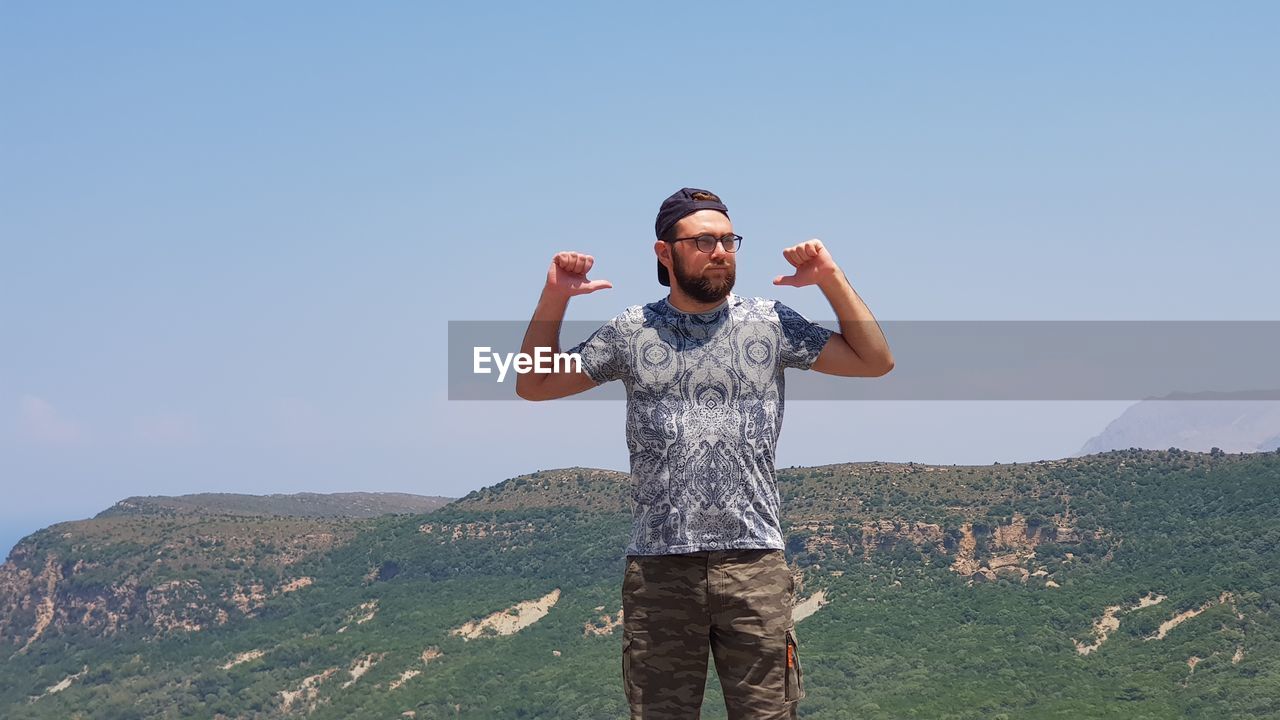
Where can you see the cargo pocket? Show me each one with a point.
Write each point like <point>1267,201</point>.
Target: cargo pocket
<point>626,670</point>
<point>795,674</point>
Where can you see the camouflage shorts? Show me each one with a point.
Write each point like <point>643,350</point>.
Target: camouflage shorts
<point>737,603</point>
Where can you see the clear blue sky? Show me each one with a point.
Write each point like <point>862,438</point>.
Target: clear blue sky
<point>233,233</point>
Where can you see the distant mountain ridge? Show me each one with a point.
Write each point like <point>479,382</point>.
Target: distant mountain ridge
<point>1195,421</point>
<point>304,504</point>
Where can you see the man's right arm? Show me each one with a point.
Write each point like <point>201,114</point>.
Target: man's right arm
<point>566,277</point>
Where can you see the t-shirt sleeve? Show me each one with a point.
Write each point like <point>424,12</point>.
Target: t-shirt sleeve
<point>801,341</point>
<point>604,353</point>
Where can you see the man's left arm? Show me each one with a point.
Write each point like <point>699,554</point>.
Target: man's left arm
<point>859,349</point>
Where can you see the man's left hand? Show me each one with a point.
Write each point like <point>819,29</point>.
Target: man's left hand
<point>813,264</point>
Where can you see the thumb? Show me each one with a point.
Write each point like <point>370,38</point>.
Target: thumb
<point>595,285</point>
<point>785,280</point>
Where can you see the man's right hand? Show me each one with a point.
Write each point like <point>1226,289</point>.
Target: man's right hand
<point>567,275</point>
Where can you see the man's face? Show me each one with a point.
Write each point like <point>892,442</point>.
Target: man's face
<point>705,276</point>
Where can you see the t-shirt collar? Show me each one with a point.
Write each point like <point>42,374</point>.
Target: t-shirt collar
<point>728,301</point>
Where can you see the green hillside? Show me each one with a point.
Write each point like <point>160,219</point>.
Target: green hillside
<point>935,592</point>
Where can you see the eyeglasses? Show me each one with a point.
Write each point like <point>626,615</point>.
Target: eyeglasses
<point>707,243</point>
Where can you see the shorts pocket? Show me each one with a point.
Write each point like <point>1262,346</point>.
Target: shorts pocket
<point>795,673</point>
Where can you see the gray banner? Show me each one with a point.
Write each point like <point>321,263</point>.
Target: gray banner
<point>973,360</point>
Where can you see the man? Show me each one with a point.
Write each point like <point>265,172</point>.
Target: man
<point>703,370</point>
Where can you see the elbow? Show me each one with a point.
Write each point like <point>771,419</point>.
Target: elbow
<point>885,367</point>
<point>535,391</point>
<point>526,391</point>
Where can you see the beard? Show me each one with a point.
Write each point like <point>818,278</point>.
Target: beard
<point>702,288</point>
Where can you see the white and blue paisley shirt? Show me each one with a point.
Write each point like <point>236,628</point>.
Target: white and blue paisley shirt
<point>704,410</point>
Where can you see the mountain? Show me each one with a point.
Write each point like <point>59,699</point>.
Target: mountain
<point>352,504</point>
<point>1124,584</point>
<point>1194,421</point>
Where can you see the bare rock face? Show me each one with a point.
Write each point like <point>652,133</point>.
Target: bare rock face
<point>33,605</point>
<point>886,533</point>
<point>27,597</point>
<point>870,538</point>
<point>168,576</point>
<point>603,624</point>
<point>1016,536</point>
<point>965,563</point>
<point>1006,550</point>
<point>160,565</point>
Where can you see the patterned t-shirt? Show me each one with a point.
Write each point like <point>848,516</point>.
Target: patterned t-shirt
<point>704,409</point>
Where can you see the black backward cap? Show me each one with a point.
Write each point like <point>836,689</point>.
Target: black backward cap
<point>683,202</point>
